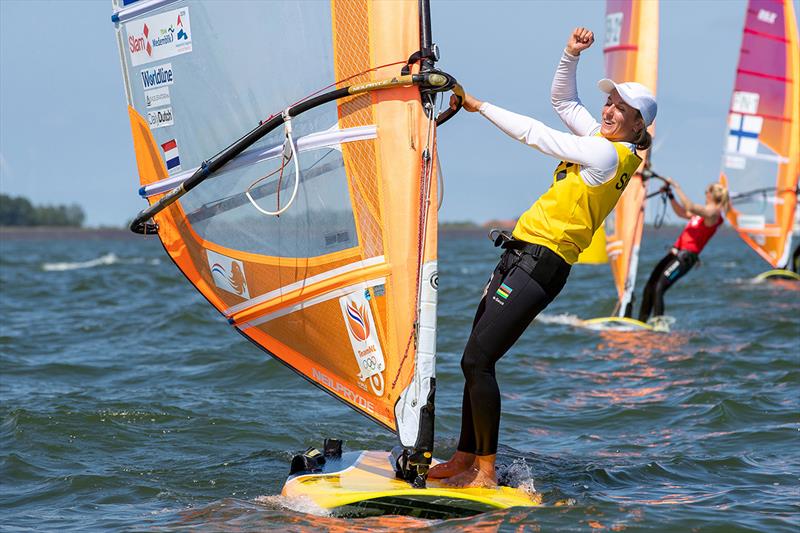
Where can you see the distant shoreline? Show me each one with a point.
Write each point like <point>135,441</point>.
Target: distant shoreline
<point>50,233</point>
<point>61,233</point>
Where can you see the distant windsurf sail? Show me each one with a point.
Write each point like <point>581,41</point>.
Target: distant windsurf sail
<point>318,241</point>
<point>761,160</point>
<point>631,54</point>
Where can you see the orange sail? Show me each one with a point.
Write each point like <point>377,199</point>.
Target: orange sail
<point>631,53</point>
<point>761,162</point>
<point>318,242</point>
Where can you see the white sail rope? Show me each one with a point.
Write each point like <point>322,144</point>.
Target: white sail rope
<point>441,180</point>
<point>288,154</point>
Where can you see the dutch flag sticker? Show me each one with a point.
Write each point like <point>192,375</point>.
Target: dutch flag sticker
<point>171,155</point>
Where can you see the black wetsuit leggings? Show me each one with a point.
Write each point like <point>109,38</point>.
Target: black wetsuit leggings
<point>669,270</point>
<point>520,287</point>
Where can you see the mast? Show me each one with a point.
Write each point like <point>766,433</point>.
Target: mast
<point>631,54</point>
<point>412,462</point>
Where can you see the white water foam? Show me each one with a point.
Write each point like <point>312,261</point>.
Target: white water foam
<point>108,259</point>
<point>104,260</point>
<point>565,319</point>
<point>300,504</point>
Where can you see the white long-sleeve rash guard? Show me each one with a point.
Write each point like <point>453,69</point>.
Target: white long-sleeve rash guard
<point>596,155</point>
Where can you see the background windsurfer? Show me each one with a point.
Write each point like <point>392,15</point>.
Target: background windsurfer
<point>703,223</point>
<point>597,161</point>
<point>794,264</point>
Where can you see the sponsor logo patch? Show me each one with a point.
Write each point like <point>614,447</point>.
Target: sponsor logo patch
<point>157,97</point>
<point>160,118</point>
<point>159,37</point>
<point>613,29</point>
<point>360,326</point>
<point>767,16</point>
<point>155,77</point>
<point>228,274</point>
<point>745,102</point>
<point>342,390</point>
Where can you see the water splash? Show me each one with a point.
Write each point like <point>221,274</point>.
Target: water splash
<point>564,319</point>
<point>518,474</point>
<point>300,504</point>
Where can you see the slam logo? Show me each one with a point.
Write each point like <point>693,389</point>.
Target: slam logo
<point>358,321</point>
<point>228,274</point>
<point>159,37</point>
<point>140,43</point>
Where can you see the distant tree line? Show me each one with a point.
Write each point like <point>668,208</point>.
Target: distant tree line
<point>458,224</point>
<point>19,211</point>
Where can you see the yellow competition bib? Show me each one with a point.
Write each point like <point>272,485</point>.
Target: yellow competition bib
<point>565,217</point>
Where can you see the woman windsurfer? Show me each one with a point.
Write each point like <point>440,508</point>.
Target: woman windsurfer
<point>703,223</point>
<point>597,160</point>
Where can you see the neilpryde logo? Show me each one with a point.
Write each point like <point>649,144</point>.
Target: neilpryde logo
<point>358,321</point>
<point>228,274</point>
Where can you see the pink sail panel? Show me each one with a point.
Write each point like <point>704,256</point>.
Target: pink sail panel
<point>761,156</point>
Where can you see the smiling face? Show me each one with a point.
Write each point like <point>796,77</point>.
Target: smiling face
<point>620,122</point>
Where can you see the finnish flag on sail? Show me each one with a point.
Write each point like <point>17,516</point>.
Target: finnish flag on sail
<point>743,134</point>
<point>171,155</point>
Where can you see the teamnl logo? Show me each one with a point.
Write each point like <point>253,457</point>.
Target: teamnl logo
<point>360,325</point>
<point>159,37</point>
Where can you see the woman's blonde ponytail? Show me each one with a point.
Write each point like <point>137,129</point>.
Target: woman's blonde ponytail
<point>719,193</point>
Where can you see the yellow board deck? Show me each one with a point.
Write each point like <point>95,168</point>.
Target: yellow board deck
<point>364,484</point>
<point>617,323</point>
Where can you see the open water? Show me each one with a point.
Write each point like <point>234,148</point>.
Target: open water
<point>127,403</point>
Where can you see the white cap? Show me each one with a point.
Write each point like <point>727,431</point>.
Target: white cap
<point>635,95</point>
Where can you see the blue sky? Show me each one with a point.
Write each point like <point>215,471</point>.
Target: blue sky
<point>65,138</point>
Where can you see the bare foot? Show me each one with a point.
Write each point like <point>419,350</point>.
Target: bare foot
<point>460,462</point>
<point>480,474</point>
<point>472,478</point>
